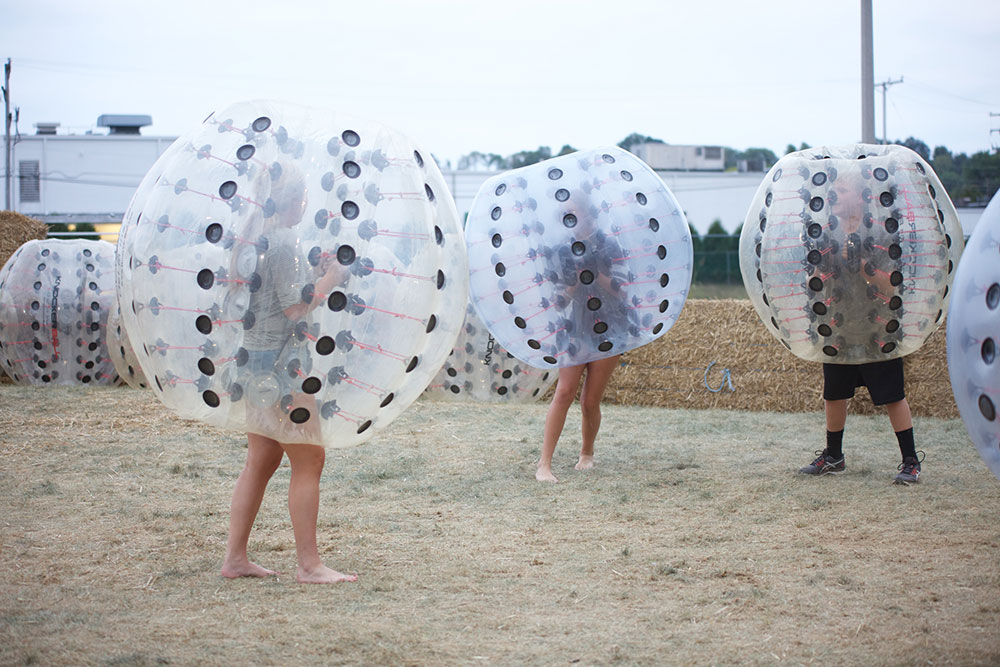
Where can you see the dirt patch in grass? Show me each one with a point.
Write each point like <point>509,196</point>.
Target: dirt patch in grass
<point>693,541</point>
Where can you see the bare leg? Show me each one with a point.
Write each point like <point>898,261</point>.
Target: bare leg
<point>555,419</point>
<point>263,458</point>
<point>899,415</point>
<point>598,375</point>
<point>303,505</point>
<point>836,414</point>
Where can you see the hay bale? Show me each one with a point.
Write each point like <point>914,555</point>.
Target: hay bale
<point>719,355</point>
<point>16,230</point>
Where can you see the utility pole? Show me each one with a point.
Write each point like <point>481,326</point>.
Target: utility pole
<point>867,75</point>
<point>8,182</point>
<point>884,85</point>
<point>994,129</point>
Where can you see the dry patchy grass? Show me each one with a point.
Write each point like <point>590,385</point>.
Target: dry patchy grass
<point>692,542</point>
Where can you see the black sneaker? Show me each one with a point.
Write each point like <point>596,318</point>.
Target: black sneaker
<point>909,470</point>
<point>824,465</point>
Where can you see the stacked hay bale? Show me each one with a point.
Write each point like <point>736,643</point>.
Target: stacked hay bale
<point>719,356</point>
<point>16,230</point>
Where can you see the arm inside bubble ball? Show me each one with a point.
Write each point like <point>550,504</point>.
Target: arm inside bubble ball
<point>333,274</point>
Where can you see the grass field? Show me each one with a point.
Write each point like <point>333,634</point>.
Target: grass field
<point>692,542</point>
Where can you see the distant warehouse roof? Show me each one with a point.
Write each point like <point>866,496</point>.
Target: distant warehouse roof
<point>124,123</point>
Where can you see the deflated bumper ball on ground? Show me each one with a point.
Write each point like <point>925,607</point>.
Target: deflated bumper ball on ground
<point>55,296</point>
<point>480,369</point>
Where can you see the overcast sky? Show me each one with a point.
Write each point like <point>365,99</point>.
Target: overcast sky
<point>500,77</point>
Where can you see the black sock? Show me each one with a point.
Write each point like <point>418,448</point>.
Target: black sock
<point>835,444</point>
<point>906,446</point>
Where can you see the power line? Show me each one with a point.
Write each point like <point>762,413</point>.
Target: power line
<point>885,85</point>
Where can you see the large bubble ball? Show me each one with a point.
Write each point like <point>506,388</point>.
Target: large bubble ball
<point>480,369</point>
<point>974,336</point>
<point>578,258</point>
<point>55,296</point>
<point>848,252</point>
<point>292,272</point>
<point>121,351</point>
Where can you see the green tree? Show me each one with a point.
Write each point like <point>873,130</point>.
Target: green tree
<point>980,177</point>
<point>917,146</point>
<point>635,138</point>
<point>944,166</point>
<point>719,261</point>
<point>566,150</point>
<point>524,158</point>
<point>790,148</point>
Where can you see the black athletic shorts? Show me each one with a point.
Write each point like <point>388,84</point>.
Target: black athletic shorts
<point>884,380</point>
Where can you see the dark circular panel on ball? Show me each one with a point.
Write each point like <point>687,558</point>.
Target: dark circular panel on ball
<point>206,278</point>
<point>213,233</point>
<point>346,255</point>
<point>987,408</point>
<point>260,124</point>
<point>337,301</point>
<point>227,190</point>
<point>352,169</point>
<point>325,345</point>
<point>351,138</point>
<point>988,350</point>
<point>349,210</point>
<point>993,296</point>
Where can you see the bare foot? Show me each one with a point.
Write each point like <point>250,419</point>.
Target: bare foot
<point>323,575</point>
<point>245,569</point>
<point>586,462</point>
<point>545,475</point>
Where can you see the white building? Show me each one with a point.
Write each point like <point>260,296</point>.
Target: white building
<point>90,178</point>
<point>673,157</point>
